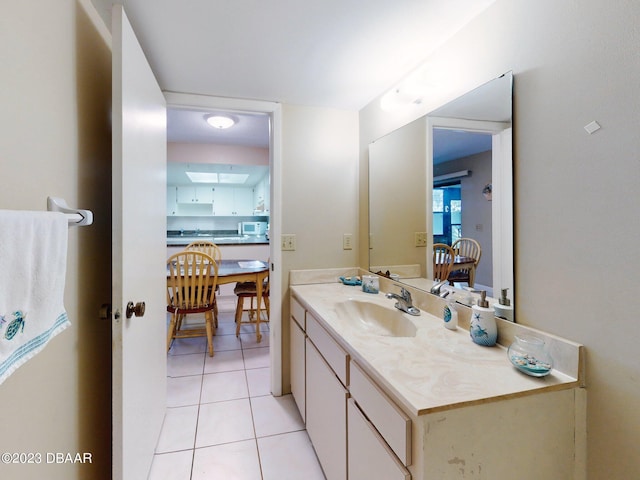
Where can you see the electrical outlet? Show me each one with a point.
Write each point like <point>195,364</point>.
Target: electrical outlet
<point>347,241</point>
<point>288,242</point>
<point>421,239</point>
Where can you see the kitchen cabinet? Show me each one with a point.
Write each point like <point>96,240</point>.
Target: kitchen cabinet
<point>261,196</point>
<point>233,201</point>
<point>191,194</point>
<point>172,200</point>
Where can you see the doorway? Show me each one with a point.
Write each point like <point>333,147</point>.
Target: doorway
<point>270,111</point>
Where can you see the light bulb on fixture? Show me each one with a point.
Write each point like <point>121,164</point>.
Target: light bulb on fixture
<point>220,121</point>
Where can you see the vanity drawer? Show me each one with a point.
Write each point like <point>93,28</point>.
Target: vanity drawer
<point>333,353</point>
<point>388,419</point>
<point>369,455</point>
<point>298,314</point>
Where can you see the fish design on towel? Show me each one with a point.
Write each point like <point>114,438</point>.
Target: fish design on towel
<point>16,324</point>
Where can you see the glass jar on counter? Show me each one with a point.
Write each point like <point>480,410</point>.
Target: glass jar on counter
<point>529,354</point>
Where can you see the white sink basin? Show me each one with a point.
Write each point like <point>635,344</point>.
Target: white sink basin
<point>375,319</point>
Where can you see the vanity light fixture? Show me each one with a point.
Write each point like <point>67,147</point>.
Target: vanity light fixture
<point>220,121</point>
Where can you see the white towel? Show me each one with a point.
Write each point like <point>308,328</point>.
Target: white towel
<point>33,263</point>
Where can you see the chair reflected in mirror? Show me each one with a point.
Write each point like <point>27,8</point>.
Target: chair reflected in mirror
<point>443,258</point>
<point>470,249</point>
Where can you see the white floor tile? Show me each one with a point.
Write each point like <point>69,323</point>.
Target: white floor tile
<point>182,365</point>
<point>224,422</point>
<point>178,430</point>
<point>217,387</point>
<point>259,380</point>
<point>224,362</point>
<point>182,346</point>
<point>231,461</point>
<point>256,357</point>
<point>225,342</point>
<point>172,466</point>
<point>249,340</point>
<point>277,460</point>
<point>183,391</point>
<point>274,415</point>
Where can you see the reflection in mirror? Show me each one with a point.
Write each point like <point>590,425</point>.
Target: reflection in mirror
<point>443,177</point>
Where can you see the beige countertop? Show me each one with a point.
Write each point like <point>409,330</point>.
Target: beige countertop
<point>438,369</point>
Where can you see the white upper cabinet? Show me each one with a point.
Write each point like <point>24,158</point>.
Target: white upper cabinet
<point>172,200</point>
<point>233,201</point>
<point>191,194</point>
<point>261,196</point>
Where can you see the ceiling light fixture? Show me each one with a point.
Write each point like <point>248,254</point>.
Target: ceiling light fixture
<point>220,121</point>
<point>202,177</point>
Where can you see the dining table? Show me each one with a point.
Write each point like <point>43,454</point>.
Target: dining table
<point>461,262</point>
<point>230,271</point>
<point>245,270</point>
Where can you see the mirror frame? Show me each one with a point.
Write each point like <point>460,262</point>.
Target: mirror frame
<point>455,115</point>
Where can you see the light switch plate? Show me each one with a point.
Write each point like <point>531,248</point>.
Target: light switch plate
<point>421,239</point>
<point>347,241</point>
<point>288,242</point>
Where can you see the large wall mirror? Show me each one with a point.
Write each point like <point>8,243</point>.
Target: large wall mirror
<point>445,176</point>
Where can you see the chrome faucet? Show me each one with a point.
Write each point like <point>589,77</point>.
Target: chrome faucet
<point>404,301</point>
<point>435,289</point>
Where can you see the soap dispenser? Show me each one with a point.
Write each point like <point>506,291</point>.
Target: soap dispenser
<point>503,308</point>
<point>482,327</point>
<point>450,315</point>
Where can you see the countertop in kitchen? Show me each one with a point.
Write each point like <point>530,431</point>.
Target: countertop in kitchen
<point>177,239</point>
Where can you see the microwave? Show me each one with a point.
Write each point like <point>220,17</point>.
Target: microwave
<point>254,228</point>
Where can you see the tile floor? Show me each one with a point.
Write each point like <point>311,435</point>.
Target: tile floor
<point>222,423</point>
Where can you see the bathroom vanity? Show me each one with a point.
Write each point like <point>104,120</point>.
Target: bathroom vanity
<point>392,396</point>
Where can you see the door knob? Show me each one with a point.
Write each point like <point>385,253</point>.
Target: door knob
<point>137,309</point>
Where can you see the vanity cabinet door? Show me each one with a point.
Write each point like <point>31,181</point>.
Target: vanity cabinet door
<point>297,340</point>
<point>369,455</point>
<point>326,415</point>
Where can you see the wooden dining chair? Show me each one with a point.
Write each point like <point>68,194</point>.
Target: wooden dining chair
<point>192,278</point>
<point>207,247</point>
<point>247,290</point>
<point>443,258</point>
<point>214,252</point>
<point>466,247</point>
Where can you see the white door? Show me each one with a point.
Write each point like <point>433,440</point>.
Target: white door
<point>139,254</point>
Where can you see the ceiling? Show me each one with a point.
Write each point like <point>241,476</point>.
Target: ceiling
<point>331,53</point>
<point>335,53</point>
<point>190,126</point>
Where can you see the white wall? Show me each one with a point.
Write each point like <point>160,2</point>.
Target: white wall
<point>56,86</point>
<point>576,195</point>
<point>319,194</point>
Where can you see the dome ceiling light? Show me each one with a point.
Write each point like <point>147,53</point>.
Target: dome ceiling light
<point>220,121</point>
